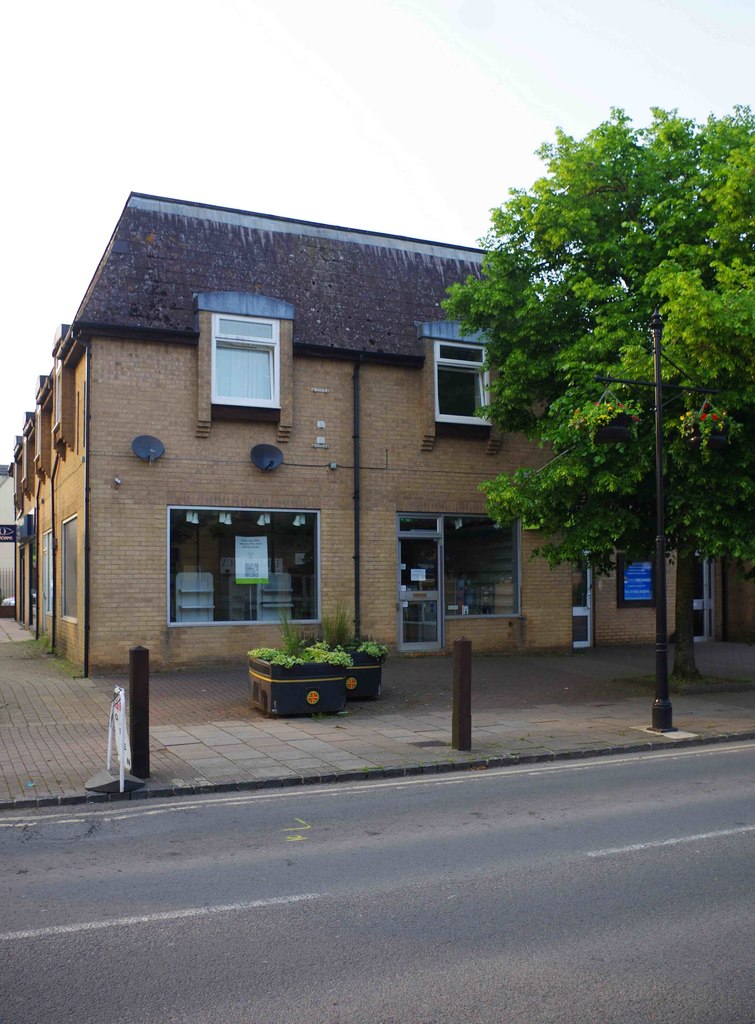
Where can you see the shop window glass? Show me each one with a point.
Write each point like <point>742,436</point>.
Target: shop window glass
<point>242,565</point>
<point>481,573</point>
<point>70,569</point>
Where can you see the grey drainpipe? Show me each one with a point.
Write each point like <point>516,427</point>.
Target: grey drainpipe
<point>357,539</point>
<point>87,428</point>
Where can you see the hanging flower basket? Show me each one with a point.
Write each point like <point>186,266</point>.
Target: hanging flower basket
<point>618,429</point>
<point>606,421</point>
<point>705,429</point>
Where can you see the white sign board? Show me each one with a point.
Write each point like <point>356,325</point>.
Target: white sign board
<point>118,734</point>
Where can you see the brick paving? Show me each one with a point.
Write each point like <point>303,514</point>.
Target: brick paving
<point>205,737</point>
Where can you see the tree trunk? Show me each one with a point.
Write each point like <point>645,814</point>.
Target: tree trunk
<point>684,648</point>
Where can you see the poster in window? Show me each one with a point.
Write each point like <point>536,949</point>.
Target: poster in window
<point>638,581</point>
<point>251,560</point>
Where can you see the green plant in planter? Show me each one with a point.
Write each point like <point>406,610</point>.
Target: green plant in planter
<point>338,627</point>
<point>373,649</point>
<point>603,413</point>
<point>707,428</point>
<point>293,636</point>
<point>314,653</point>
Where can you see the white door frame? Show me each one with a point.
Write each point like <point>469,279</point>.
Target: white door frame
<point>584,611</point>
<point>702,606</point>
<point>47,595</point>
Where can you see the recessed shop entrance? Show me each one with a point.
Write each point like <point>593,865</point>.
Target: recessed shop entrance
<point>702,602</point>
<point>581,613</point>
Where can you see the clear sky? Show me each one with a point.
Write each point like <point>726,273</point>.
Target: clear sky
<point>413,117</point>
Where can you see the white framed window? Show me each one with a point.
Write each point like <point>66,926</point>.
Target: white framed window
<point>245,361</point>
<point>247,565</point>
<point>57,403</point>
<point>461,382</point>
<point>70,568</point>
<point>47,574</point>
<point>25,462</point>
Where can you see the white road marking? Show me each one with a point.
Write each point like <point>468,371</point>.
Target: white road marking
<point>168,915</point>
<point>612,851</point>
<point>460,776</point>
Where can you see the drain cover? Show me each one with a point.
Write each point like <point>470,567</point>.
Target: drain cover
<point>430,743</point>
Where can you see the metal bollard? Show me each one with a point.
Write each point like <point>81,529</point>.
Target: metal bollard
<point>461,732</point>
<point>138,706</point>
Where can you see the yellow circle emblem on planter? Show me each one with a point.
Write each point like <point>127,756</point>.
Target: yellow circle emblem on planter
<point>312,697</point>
<point>351,683</point>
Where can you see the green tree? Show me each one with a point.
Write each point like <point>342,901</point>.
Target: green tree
<point>626,220</point>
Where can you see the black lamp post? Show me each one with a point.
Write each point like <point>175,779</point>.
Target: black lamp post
<point>662,717</point>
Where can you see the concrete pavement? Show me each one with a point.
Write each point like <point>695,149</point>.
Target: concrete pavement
<point>204,737</point>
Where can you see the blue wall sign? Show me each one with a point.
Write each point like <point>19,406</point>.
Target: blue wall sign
<point>638,581</point>
<point>8,534</point>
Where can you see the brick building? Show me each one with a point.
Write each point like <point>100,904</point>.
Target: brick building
<point>253,417</point>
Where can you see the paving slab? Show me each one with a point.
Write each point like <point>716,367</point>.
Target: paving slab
<point>205,737</point>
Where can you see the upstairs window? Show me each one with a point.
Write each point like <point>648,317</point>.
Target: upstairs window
<point>460,382</point>
<point>58,394</point>
<point>245,361</point>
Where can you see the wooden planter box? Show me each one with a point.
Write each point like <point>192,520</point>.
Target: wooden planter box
<point>8,612</point>
<point>363,679</point>
<point>299,690</point>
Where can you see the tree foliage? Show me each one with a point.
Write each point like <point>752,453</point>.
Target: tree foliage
<point>626,220</point>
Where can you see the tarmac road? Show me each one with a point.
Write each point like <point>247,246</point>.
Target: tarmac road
<point>613,890</point>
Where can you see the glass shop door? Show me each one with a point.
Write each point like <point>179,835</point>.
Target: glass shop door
<point>418,603</point>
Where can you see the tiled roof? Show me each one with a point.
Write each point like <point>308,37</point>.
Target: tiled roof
<point>355,290</point>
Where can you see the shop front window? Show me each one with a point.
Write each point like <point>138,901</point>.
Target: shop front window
<point>70,569</point>
<point>242,565</point>
<point>481,571</point>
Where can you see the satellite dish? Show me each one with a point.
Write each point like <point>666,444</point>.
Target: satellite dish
<point>147,447</point>
<point>266,456</point>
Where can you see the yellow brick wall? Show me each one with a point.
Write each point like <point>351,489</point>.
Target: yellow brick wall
<point>150,388</point>
<point>741,606</point>
<point>145,388</point>
<point>626,625</point>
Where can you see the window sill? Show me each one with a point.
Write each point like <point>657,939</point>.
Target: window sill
<point>450,617</point>
<point>480,430</point>
<point>246,413</point>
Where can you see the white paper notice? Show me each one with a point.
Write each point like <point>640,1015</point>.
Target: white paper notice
<point>251,560</point>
